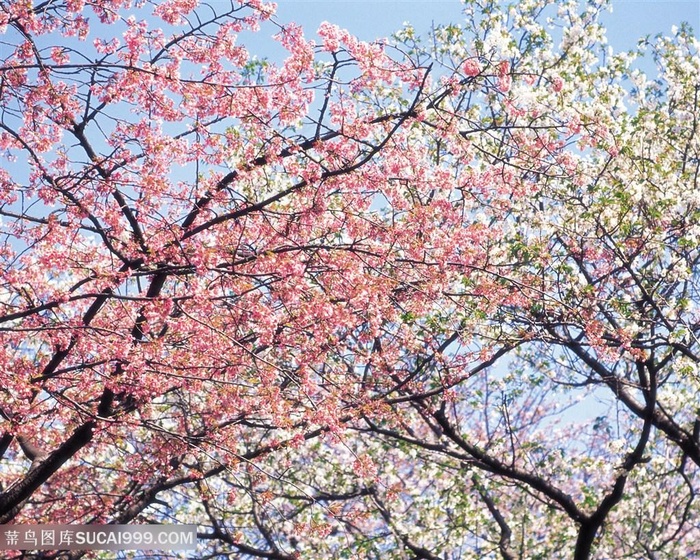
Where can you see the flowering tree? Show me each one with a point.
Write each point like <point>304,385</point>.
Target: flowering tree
<point>405,299</point>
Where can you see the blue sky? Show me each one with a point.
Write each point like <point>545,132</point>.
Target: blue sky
<point>371,19</point>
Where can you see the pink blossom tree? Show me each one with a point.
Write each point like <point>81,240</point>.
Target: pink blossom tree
<point>404,299</point>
